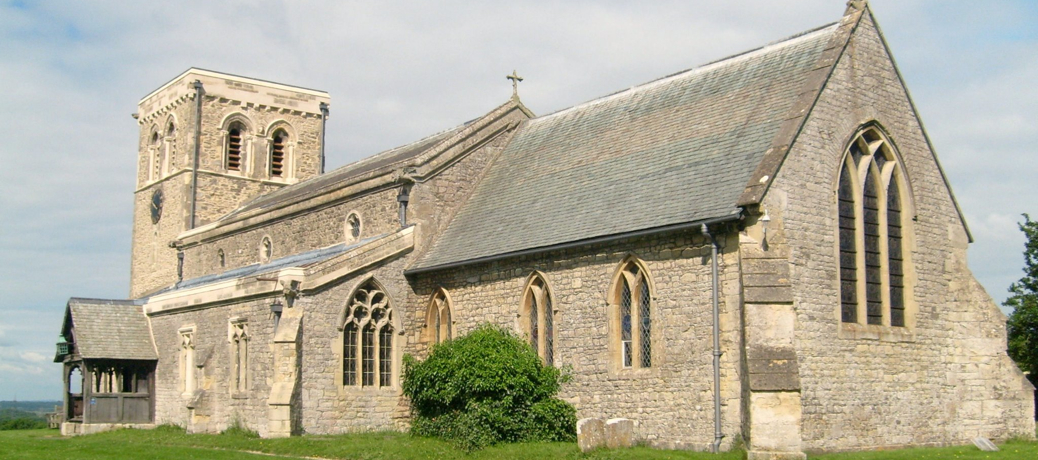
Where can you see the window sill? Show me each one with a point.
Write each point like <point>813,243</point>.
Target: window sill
<point>855,331</point>
<point>367,390</point>
<point>634,373</point>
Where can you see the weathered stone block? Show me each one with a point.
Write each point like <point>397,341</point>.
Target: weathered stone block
<point>619,432</point>
<point>590,434</point>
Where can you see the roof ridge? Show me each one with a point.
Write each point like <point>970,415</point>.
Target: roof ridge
<point>693,71</point>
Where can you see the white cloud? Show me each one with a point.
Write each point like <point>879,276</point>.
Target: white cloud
<point>32,356</point>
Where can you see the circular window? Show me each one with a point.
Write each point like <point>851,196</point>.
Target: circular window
<point>353,227</point>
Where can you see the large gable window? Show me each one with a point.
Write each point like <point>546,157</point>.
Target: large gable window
<point>871,221</point>
<point>367,339</point>
<point>537,317</point>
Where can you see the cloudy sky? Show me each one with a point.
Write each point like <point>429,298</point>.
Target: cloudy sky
<point>74,72</point>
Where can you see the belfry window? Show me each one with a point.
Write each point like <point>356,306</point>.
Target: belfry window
<point>368,354</point>
<point>871,223</point>
<point>277,153</point>
<point>537,316</point>
<point>438,321</point>
<point>631,299</point>
<point>235,134</point>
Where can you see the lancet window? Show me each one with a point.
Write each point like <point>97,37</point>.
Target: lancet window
<point>537,317</point>
<point>438,318</point>
<point>871,222</point>
<point>631,297</point>
<point>239,341</point>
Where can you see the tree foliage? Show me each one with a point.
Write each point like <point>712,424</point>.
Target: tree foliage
<point>1022,327</point>
<point>484,388</point>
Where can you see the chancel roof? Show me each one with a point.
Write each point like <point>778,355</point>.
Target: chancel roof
<point>109,329</point>
<point>681,149</point>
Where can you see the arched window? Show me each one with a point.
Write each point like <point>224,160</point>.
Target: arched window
<point>631,296</point>
<point>156,156</point>
<point>537,316</point>
<point>235,137</point>
<point>239,341</point>
<point>171,148</point>
<point>278,144</point>
<point>438,319</point>
<point>266,249</point>
<point>870,207</point>
<point>369,313</point>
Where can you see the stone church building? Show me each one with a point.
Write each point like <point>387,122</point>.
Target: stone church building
<point>764,248</point>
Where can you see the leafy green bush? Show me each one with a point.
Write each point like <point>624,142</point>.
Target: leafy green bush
<point>22,423</point>
<point>484,388</point>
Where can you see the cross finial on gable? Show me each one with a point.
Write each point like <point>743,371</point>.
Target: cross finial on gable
<point>515,82</point>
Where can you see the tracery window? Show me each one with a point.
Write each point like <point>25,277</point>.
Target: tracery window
<point>871,222</point>
<point>537,317</point>
<point>235,136</point>
<point>438,318</point>
<point>631,297</point>
<point>368,354</point>
<point>239,340</point>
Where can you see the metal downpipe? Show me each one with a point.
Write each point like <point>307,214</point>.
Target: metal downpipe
<point>717,339</point>
<point>324,126</point>
<point>199,91</point>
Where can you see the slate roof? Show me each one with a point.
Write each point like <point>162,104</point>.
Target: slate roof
<point>680,149</point>
<point>344,175</point>
<point>110,329</point>
<point>294,260</point>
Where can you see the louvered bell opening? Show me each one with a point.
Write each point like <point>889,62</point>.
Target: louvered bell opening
<point>234,150</point>
<point>277,157</point>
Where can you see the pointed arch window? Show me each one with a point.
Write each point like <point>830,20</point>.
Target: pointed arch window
<point>235,137</point>
<point>632,299</point>
<point>438,318</point>
<point>367,339</point>
<point>537,317</point>
<point>871,227</point>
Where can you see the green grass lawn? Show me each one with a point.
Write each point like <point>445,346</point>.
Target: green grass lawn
<point>172,443</point>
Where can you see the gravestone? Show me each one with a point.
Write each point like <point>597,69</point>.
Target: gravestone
<point>985,445</point>
<point>590,434</point>
<point>619,432</point>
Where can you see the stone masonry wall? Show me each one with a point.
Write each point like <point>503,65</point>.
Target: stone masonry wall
<point>220,191</point>
<point>218,408</point>
<point>312,230</point>
<point>432,204</point>
<point>326,406</point>
<point>670,403</point>
<point>948,379</point>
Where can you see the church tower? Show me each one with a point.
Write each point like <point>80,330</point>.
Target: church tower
<point>209,142</point>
